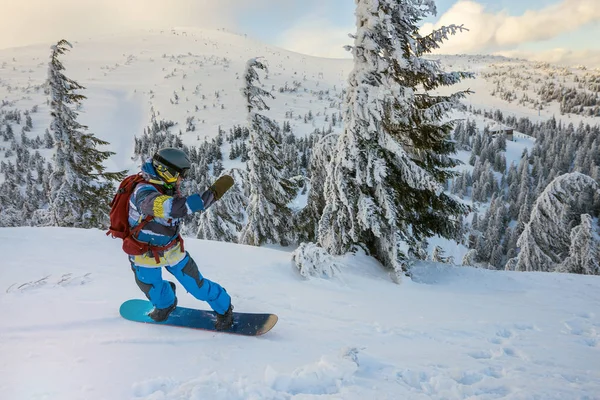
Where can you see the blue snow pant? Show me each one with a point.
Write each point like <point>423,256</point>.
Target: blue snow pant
<point>160,293</point>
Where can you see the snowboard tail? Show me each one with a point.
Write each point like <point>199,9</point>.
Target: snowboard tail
<point>247,324</point>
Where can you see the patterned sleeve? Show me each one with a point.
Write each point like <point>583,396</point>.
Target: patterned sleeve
<point>150,201</point>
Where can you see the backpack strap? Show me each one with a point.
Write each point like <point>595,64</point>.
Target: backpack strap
<point>155,250</point>
<point>136,230</point>
<point>138,227</point>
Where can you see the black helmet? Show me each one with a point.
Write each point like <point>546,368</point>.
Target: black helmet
<point>170,163</point>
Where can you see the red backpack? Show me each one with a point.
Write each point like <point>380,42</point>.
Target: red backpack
<point>119,221</point>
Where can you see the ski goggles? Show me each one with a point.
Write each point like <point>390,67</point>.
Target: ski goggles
<point>169,175</point>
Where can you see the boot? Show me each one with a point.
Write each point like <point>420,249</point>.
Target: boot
<point>224,321</point>
<point>161,314</point>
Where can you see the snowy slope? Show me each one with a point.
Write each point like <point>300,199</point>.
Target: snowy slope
<point>495,75</point>
<point>450,333</point>
<point>191,72</point>
<point>128,76</point>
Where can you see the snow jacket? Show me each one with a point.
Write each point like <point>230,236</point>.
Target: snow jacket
<point>168,210</point>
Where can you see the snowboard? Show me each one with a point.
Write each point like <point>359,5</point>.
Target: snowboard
<point>247,324</point>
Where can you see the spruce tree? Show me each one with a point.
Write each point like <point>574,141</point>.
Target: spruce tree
<point>545,241</point>
<point>224,219</point>
<point>10,199</point>
<point>269,217</point>
<point>308,218</point>
<point>584,252</point>
<point>80,189</point>
<point>384,186</point>
<point>469,258</point>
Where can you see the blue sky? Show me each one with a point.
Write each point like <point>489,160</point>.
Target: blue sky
<point>553,30</point>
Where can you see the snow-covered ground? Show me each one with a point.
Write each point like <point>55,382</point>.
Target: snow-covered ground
<point>450,333</point>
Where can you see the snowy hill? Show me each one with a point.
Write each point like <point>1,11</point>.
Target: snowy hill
<point>179,74</point>
<point>183,73</point>
<point>528,89</point>
<point>451,333</point>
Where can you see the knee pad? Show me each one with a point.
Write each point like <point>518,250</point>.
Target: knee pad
<point>191,269</point>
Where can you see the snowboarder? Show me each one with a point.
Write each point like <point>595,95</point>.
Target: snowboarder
<point>157,204</point>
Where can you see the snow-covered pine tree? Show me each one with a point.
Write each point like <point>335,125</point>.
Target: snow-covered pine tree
<point>383,187</point>
<point>512,237</point>
<point>493,236</point>
<point>312,260</point>
<point>438,255</point>
<point>80,189</point>
<point>224,219</point>
<point>269,217</point>
<point>546,240</point>
<point>584,252</point>
<point>469,258</point>
<point>308,218</point>
<point>10,199</point>
<point>48,140</point>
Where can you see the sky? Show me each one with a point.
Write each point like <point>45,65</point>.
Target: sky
<point>546,30</point>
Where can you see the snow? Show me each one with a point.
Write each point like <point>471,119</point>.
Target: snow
<point>513,74</point>
<point>449,333</point>
<point>461,332</point>
<point>127,75</point>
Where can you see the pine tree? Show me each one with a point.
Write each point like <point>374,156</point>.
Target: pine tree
<point>308,218</point>
<point>312,260</point>
<point>584,252</point>
<point>10,199</point>
<point>384,185</point>
<point>269,218</point>
<point>223,220</point>
<point>80,189</point>
<point>438,255</point>
<point>469,258</point>
<point>494,234</point>
<point>545,240</point>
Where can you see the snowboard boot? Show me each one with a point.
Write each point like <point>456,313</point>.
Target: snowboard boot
<point>224,321</point>
<point>161,314</point>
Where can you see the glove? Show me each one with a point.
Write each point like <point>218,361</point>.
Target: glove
<point>217,190</point>
<point>221,185</point>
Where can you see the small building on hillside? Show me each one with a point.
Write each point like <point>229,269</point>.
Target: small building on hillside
<point>498,129</point>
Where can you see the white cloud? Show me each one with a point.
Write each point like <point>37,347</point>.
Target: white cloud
<point>489,32</point>
<point>561,56</point>
<point>24,22</point>
<point>317,37</point>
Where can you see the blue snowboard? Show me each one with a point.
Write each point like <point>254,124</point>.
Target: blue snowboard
<point>243,323</point>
